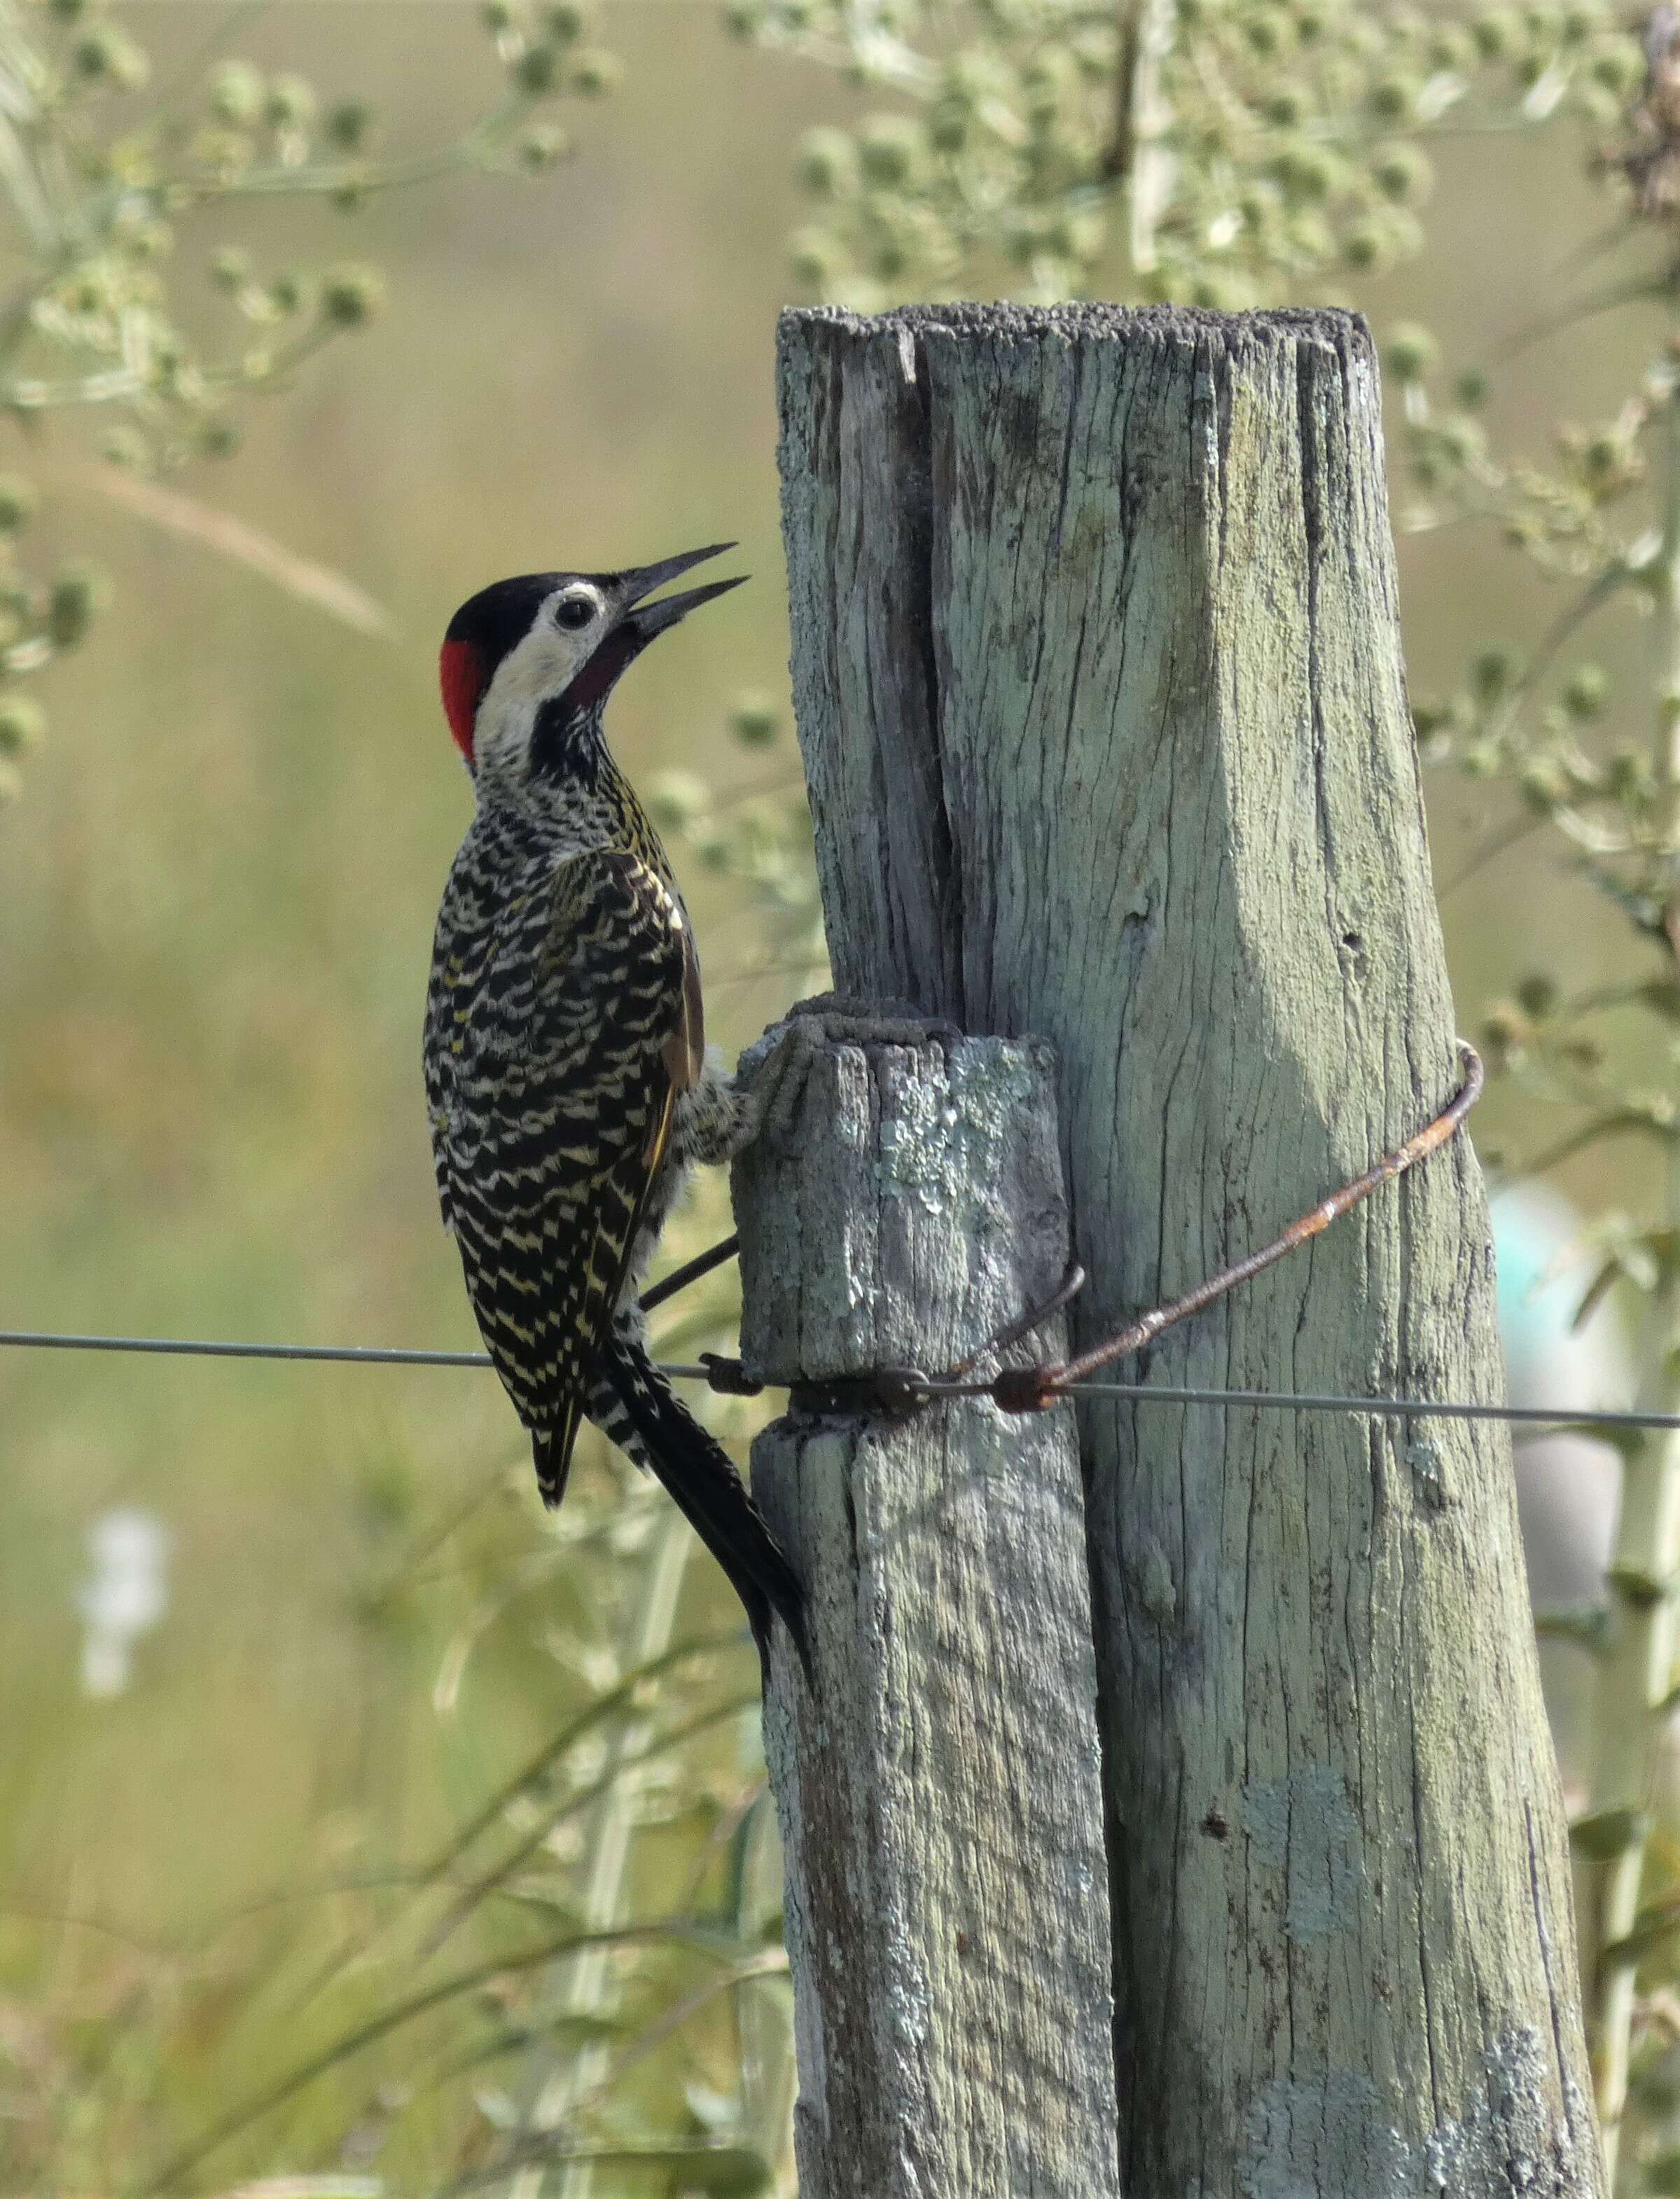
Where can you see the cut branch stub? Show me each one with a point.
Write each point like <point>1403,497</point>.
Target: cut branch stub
<point>939,1787</point>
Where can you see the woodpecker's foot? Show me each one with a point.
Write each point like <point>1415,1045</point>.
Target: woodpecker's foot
<point>715,1117</point>
<point>775,1079</point>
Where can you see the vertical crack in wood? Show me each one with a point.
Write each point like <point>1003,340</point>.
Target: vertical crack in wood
<point>945,873</point>
<point>855,475</point>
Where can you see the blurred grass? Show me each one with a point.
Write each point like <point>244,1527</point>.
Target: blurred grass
<point>217,899</point>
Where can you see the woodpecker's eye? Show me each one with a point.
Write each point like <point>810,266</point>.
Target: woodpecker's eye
<point>574,613</point>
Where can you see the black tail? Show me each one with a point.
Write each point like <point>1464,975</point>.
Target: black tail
<point>552,1454</point>
<point>700,1478</point>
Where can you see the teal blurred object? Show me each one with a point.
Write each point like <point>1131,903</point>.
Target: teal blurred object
<point>1566,1483</point>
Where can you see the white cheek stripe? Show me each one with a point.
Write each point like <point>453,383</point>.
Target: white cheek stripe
<point>545,661</point>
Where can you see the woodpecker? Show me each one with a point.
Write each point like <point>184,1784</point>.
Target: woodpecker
<point>568,1081</point>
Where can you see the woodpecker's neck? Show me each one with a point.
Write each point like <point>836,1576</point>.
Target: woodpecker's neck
<point>553,780</point>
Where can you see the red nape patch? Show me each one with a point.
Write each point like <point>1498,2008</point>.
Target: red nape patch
<point>460,676</point>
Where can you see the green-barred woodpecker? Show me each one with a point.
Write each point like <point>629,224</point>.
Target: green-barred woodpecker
<point>569,1084</point>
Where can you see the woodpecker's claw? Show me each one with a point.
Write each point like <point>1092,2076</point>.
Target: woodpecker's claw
<point>780,1078</point>
<point>776,1077</point>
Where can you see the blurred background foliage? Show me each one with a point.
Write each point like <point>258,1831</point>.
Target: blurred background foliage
<point>329,1780</point>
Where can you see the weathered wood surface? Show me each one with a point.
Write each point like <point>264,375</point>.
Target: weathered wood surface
<point>940,1793</point>
<point>1099,693</point>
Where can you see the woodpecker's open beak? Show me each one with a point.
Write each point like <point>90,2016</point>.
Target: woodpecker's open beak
<point>650,619</point>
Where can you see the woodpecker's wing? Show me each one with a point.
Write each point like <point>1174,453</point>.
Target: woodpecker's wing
<point>687,1057</point>
<point>576,1122</point>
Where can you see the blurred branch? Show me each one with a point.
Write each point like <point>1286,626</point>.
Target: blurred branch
<point>357,2041</point>
<point>1137,155</point>
<point>1496,844</point>
<point>230,537</point>
<point>549,1823</point>
<point>699,2168</point>
<point>1618,1123</point>
<point>601,1710</point>
<point>329,179</point>
<point>1638,289</point>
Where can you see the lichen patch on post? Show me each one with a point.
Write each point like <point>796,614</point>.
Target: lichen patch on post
<point>945,1148</point>
<point>1305,1826</point>
<point>918,1150</point>
<point>1327,2138</point>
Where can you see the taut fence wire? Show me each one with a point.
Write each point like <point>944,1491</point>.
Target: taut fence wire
<point>357,1355</point>
<point>1016,1390</point>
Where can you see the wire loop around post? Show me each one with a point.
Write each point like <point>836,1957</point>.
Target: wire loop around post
<point>1036,1389</point>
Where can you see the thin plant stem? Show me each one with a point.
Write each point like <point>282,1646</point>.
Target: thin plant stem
<point>186,81</point>
<point>1138,156</point>
<point>1489,850</point>
<point>1634,1676</point>
<point>393,2018</point>
<point>580,1985</point>
<point>643,1752</point>
<point>438,1873</point>
<point>764,2019</point>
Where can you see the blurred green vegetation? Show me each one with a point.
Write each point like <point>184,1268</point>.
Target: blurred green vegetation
<point>216,899</point>
<point>219,885</point>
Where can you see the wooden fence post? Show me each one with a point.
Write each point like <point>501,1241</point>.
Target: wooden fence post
<point>1099,692</point>
<point>939,1787</point>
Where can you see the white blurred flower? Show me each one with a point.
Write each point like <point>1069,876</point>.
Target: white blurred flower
<point>124,1594</point>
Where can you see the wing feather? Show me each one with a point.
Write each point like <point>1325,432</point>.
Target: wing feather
<point>685,1048</point>
<point>548,1185</point>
